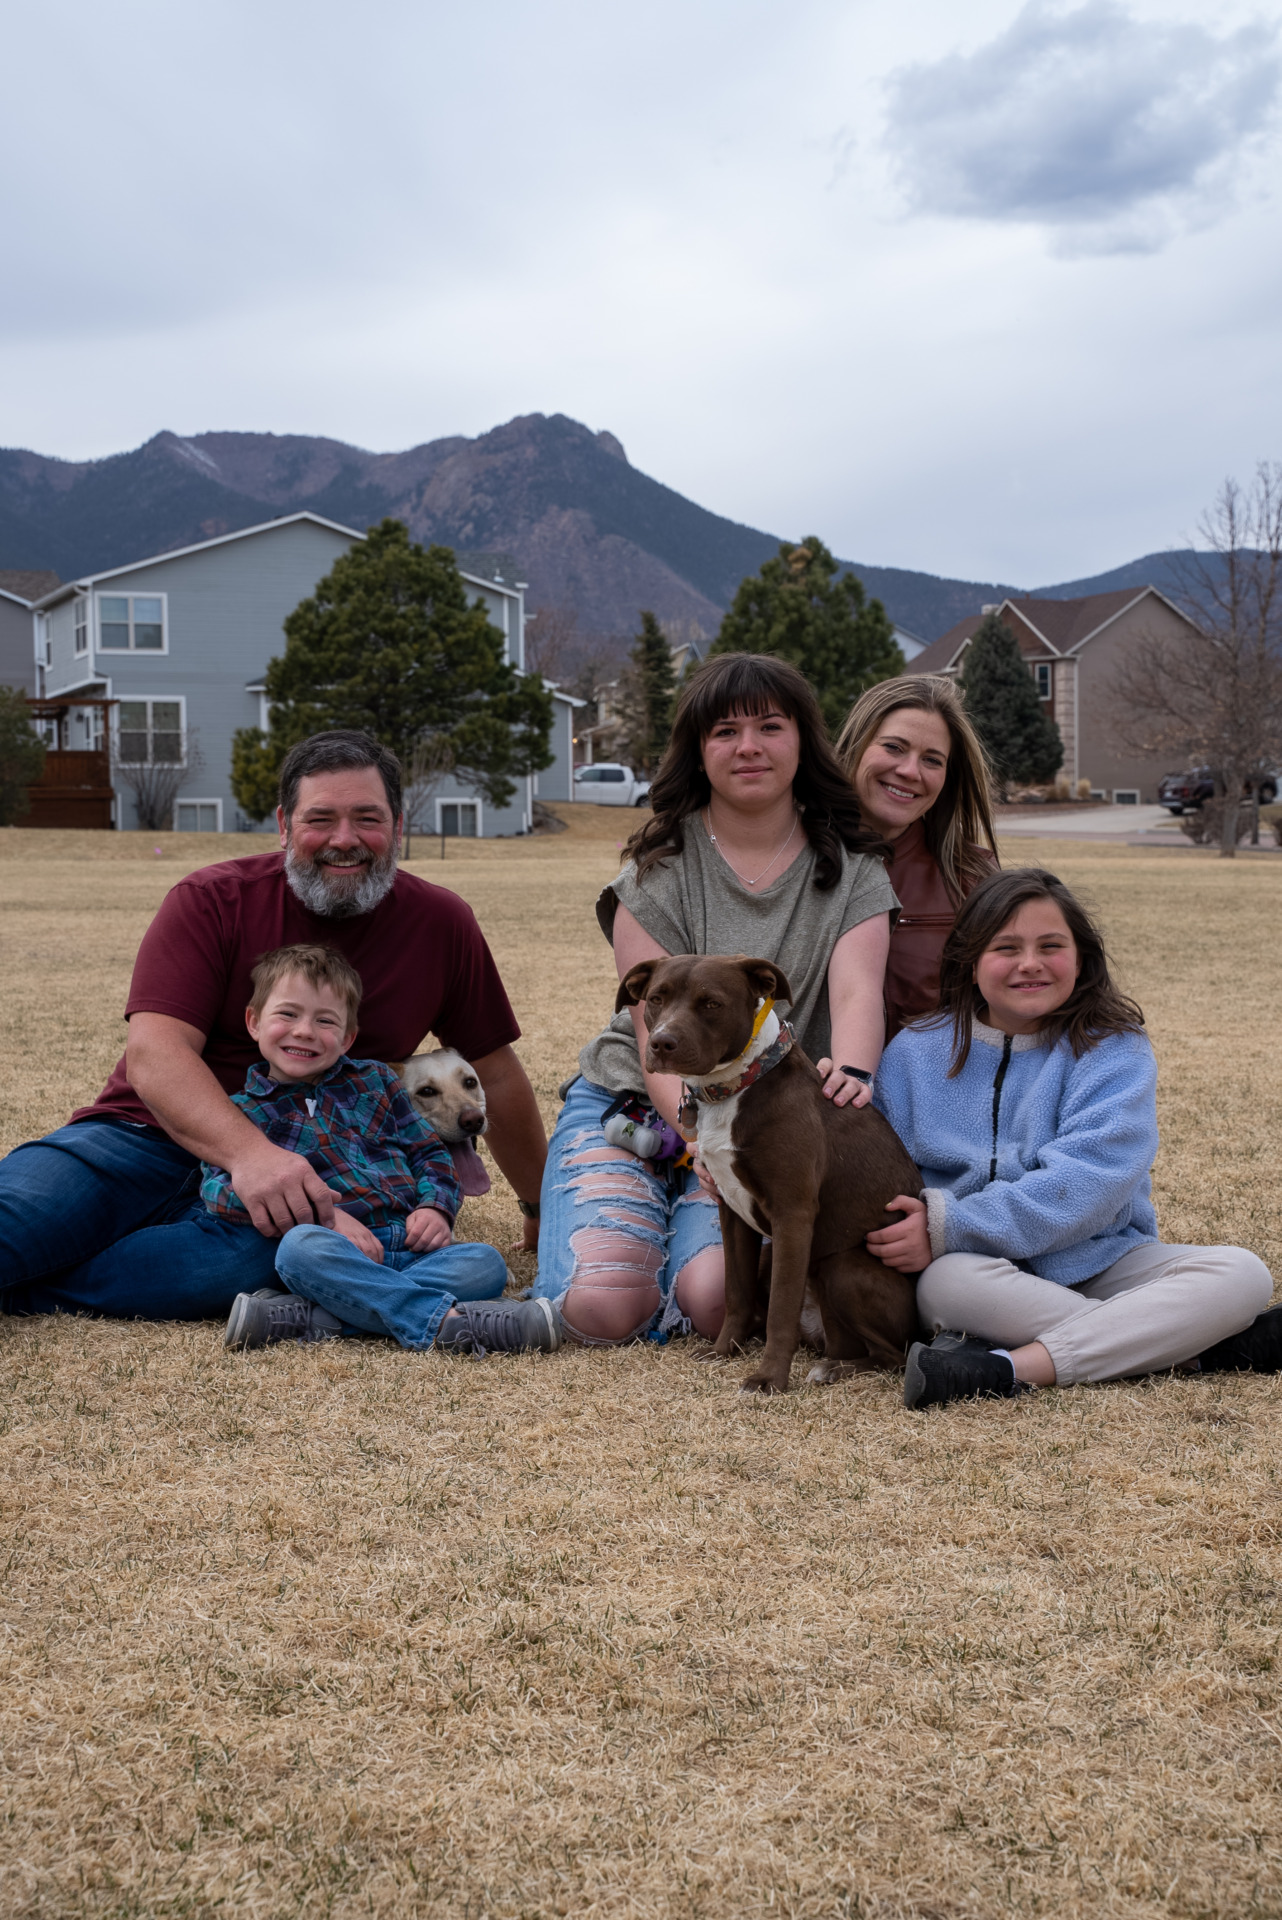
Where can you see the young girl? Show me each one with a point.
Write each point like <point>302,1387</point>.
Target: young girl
<point>1028,1102</point>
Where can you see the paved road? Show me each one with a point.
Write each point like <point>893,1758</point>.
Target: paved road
<point>1091,823</point>
<point>1125,826</point>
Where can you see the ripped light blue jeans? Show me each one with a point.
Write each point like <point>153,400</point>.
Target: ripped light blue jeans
<point>613,1241</point>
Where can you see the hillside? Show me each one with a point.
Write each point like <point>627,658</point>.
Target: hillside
<point>587,530</point>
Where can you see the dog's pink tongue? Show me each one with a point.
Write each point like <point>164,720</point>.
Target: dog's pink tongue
<point>469,1168</point>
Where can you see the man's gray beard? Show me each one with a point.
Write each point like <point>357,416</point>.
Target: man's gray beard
<point>308,883</point>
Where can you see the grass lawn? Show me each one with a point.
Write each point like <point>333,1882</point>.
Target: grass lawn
<point>351,1631</point>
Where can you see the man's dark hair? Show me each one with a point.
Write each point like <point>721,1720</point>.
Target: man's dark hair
<point>335,753</point>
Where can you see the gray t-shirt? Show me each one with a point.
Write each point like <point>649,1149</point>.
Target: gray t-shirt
<point>693,903</point>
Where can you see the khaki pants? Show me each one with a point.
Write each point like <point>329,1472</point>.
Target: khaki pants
<point>1152,1309</point>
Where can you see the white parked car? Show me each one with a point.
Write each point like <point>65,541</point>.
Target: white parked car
<point>610,785</point>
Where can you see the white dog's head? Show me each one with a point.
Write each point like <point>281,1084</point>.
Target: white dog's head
<point>449,1096</point>
<point>447,1093</point>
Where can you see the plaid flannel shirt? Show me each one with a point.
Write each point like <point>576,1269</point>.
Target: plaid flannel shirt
<point>363,1137</point>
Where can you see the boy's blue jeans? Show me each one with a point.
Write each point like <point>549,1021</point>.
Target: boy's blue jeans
<point>407,1296</point>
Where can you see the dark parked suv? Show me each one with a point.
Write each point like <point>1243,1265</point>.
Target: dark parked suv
<point>1182,792</point>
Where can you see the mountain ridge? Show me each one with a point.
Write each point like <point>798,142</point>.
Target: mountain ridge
<point>590,532</point>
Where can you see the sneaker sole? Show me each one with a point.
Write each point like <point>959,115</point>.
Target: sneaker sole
<point>914,1379</point>
<point>554,1330</point>
<point>234,1338</point>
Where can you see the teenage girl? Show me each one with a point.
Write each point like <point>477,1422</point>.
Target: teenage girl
<point>1028,1103</point>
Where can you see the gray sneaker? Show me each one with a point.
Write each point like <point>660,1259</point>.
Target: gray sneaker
<point>501,1326</point>
<point>262,1319</point>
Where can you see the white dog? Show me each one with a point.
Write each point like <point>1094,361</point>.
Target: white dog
<point>451,1099</point>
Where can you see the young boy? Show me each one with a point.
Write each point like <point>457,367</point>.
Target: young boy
<point>390,1264</point>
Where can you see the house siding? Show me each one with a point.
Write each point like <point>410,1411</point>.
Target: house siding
<point>557,781</point>
<point>1104,763</point>
<point>226,607</point>
<point>17,645</point>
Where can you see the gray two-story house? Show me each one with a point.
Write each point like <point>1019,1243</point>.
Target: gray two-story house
<point>170,655</point>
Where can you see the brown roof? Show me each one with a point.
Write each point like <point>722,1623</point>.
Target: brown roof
<point>1062,624</point>
<point>28,583</point>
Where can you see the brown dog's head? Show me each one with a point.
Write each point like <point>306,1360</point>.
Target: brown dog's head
<point>699,1008</point>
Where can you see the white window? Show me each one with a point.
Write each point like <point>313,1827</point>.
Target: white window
<point>459,819</point>
<point>1126,796</point>
<point>81,614</point>
<point>150,733</point>
<point>1042,675</point>
<point>131,622</point>
<point>198,816</point>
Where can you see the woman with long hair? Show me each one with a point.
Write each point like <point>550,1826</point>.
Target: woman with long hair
<point>922,782</point>
<point>755,846</point>
<point>1028,1102</point>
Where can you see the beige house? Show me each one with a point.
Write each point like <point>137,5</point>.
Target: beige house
<point>1073,648</point>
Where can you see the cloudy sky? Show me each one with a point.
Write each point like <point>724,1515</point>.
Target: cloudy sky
<point>993,291</point>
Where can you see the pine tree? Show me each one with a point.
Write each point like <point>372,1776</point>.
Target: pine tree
<point>22,755</point>
<point>801,609</point>
<point>255,772</point>
<point>1022,740</point>
<point>648,695</point>
<point>389,643</point>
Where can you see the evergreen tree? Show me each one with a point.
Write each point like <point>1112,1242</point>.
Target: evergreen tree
<point>648,695</point>
<point>801,609</point>
<point>389,643</point>
<point>1022,740</point>
<point>22,755</point>
<point>255,772</point>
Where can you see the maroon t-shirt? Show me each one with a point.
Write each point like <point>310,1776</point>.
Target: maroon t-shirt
<point>421,957</point>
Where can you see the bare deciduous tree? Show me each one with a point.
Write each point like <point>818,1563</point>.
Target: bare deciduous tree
<point>552,642</point>
<point>428,764</point>
<point>1213,696</point>
<point>156,783</point>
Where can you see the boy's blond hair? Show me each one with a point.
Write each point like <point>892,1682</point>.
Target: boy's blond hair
<point>319,966</point>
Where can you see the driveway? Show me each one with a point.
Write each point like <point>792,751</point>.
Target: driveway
<point>1092,823</point>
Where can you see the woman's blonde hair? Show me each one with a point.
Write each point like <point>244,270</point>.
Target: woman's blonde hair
<point>959,826</point>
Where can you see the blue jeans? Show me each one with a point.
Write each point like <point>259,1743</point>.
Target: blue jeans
<point>607,1219</point>
<point>101,1218</point>
<point>407,1296</point>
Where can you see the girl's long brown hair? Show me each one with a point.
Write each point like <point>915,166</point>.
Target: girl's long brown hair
<point>752,683</point>
<point>1093,1010</point>
<point>959,827</point>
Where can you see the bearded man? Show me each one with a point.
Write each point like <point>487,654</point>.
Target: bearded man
<point>103,1216</point>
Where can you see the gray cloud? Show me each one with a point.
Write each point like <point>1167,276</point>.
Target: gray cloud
<point>1111,131</point>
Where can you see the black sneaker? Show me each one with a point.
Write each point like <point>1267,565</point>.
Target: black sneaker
<point>955,1367</point>
<point>1257,1349</point>
<point>262,1319</point>
<point>501,1326</point>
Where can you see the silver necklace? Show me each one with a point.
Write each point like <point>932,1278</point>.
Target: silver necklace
<point>742,878</point>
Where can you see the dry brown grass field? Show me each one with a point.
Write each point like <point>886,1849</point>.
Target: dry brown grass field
<point>349,1631</point>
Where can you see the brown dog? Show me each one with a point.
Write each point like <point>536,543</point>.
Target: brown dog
<point>787,1162</point>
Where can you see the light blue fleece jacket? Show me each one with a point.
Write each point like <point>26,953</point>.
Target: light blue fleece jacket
<point>1028,1154</point>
